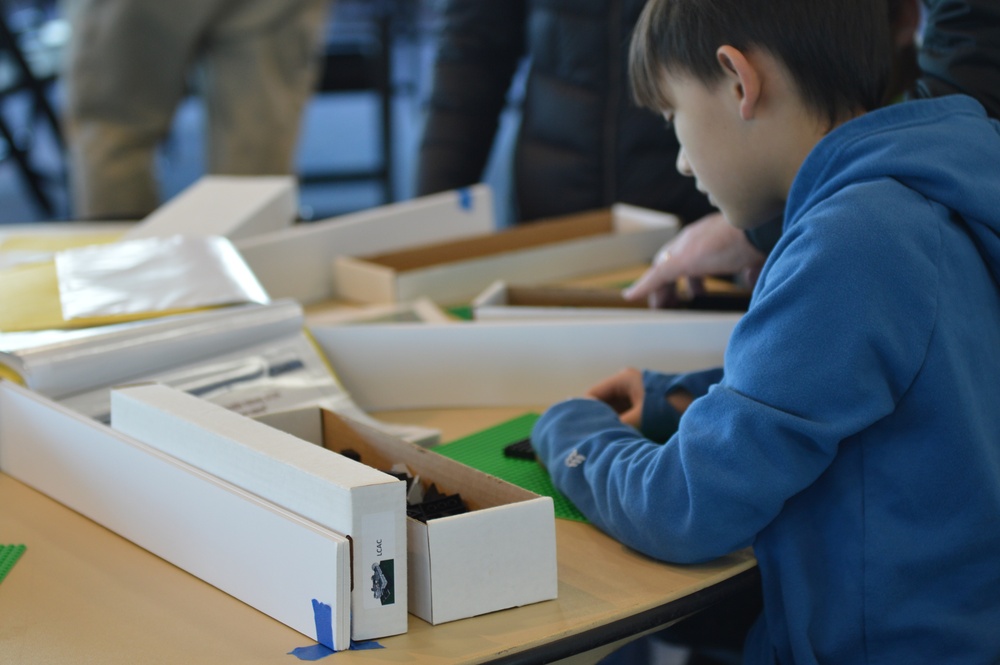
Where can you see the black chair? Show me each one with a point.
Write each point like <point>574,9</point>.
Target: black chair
<point>29,67</point>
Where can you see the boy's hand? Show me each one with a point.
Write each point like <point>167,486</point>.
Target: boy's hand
<point>624,393</point>
<point>709,246</point>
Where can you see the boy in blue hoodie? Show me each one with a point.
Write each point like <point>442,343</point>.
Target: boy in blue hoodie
<point>853,436</point>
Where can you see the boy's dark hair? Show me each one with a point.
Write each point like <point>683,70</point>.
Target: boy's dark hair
<point>838,52</point>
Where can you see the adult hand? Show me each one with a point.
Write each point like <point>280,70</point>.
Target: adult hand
<point>709,246</point>
<point>623,392</point>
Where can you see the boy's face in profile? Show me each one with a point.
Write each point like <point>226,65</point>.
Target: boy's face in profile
<point>726,153</point>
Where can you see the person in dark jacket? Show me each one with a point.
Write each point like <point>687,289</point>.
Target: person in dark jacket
<point>582,143</point>
<point>960,51</point>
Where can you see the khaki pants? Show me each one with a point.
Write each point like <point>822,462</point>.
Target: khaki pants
<point>129,66</point>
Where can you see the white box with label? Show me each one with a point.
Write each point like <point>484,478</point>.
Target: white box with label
<point>499,554</point>
<point>329,489</point>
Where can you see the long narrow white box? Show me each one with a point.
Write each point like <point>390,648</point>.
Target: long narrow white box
<point>278,562</point>
<point>218,205</point>
<point>295,262</point>
<point>327,488</point>
<point>509,363</point>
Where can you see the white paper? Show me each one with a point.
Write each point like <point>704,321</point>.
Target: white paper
<point>274,375</point>
<point>153,275</point>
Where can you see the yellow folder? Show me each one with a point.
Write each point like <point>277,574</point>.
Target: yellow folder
<point>29,300</point>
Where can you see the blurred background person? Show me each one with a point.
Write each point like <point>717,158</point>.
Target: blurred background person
<point>581,143</point>
<point>131,62</point>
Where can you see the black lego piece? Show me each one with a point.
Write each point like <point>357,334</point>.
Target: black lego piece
<point>351,453</point>
<point>436,504</point>
<point>520,450</point>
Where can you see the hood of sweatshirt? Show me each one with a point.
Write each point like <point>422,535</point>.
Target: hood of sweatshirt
<point>946,149</point>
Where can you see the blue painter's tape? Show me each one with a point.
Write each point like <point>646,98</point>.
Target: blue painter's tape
<point>324,635</point>
<point>312,652</point>
<point>317,651</point>
<point>323,615</point>
<point>465,198</point>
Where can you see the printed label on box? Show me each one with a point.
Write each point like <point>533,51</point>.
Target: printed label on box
<point>378,549</point>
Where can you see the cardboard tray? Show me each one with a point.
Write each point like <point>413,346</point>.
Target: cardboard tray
<point>456,271</point>
<point>416,311</point>
<point>503,301</point>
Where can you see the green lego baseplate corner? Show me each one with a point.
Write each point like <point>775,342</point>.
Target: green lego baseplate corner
<point>483,450</point>
<point>9,554</point>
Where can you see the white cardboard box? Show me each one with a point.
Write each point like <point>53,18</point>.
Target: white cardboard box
<point>501,554</point>
<point>236,207</point>
<point>278,562</point>
<point>501,301</point>
<point>509,363</point>
<point>454,272</point>
<point>328,489</point>
<point>295,262</point>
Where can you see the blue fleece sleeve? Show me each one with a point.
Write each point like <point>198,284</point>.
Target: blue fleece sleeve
<point>817,359</point>
<point>638,491</point>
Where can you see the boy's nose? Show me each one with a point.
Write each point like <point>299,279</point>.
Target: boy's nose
<point>683,167</point>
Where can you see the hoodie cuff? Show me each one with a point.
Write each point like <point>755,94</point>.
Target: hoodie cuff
<point>659,418</point>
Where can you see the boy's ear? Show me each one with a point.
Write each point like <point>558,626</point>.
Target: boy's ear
<point>743,79</point>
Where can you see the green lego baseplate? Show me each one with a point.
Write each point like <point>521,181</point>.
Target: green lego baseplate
<point>9,554</point>
<point>483,450</point>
